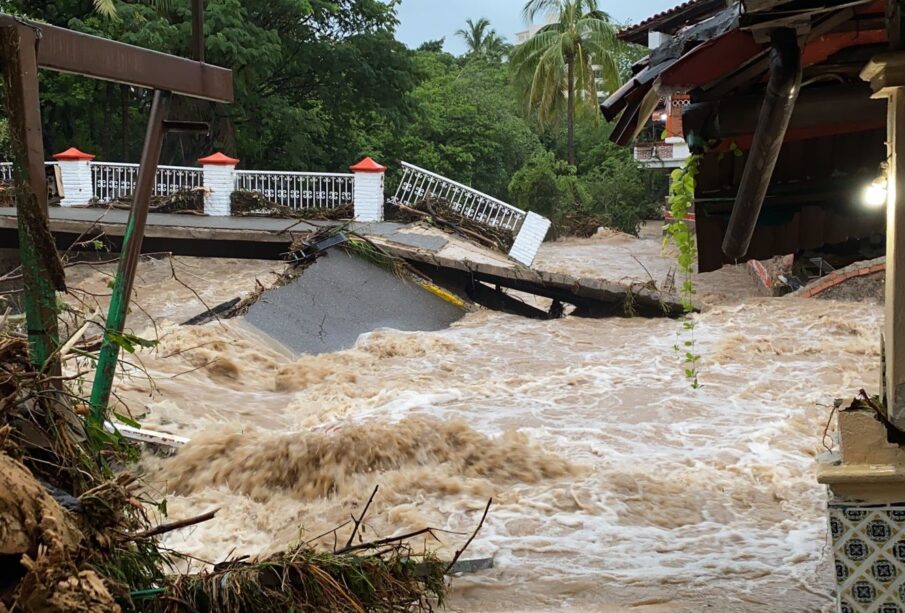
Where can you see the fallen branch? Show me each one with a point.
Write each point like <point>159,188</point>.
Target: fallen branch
<point>470,539</point>
<point>176,525</point>
<point>361,517</point>
<point>387,541</point>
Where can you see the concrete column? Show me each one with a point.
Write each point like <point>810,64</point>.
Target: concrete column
<point>75,175</point>
<point>886,74</point>
<point>368,190</point>
<point>529,239</point>
<point>219,182</point>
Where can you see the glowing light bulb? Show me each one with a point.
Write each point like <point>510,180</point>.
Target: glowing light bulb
<point>875,194</point>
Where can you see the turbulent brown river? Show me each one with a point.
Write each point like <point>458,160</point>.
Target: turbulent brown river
<point>616,486</point>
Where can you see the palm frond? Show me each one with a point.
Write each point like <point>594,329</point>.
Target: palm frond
<point>105,8</point>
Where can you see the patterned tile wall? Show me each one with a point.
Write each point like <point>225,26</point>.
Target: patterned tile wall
<point>869,547</point>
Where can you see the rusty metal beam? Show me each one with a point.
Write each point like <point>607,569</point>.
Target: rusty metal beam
<point>131,253</point>
<point>73,52</point>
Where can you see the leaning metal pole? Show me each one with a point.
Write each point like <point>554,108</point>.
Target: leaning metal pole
<point>42,270</point>
<point>131,252</point>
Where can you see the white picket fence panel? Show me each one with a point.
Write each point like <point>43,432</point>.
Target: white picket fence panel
<point>112,181</point>
<point>299,190</point>
<point>417,183</point>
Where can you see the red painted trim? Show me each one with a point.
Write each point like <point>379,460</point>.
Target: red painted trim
<point>218,159</point>
<point>368,165</point>
<point>711,60</point>
<point>743,141</point>
<point>72,155</point>
<point>822,48</point>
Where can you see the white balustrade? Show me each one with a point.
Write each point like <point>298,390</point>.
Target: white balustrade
<point>6,171</point>
<point>112,181</point>
<point>299,190</point>
<point>417,183</point>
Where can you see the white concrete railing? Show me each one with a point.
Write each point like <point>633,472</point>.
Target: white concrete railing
<point>299,190</point>
<point>84,180</point>
<point>417,183</point>
<point>6,170</point>
<point>111,181</point>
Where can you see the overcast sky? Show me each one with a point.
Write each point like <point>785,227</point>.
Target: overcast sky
<point>423,20</point>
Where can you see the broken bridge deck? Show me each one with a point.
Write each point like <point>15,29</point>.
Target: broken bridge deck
<point>435,252</point>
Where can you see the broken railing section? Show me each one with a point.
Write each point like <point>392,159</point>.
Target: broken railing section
<point>530,229</point>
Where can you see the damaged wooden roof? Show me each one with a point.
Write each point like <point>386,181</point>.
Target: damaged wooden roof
<point>723,61</point>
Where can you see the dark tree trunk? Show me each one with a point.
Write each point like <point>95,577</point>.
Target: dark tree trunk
<point>108,121</point>
<point>570,114</point>
<point>124,121</point>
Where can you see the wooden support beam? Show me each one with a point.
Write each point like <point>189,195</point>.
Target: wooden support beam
<point>41,268</point>
<point>73,52</point>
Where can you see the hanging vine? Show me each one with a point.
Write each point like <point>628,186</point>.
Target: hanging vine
<point>681,203</point>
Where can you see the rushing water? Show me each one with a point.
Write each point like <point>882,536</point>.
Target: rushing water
<point>615,485</point>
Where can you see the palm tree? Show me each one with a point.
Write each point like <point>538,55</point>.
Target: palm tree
<point>495,47</point>
<point>477,35</point>
<point>560,59</point>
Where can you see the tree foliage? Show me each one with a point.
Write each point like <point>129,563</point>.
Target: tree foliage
<point>321,83</point>
<point>482,40</point>
<point>557,69</point>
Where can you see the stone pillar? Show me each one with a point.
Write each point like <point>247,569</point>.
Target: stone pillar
<point>529,239</point>
<point>368,190</point>
<point>866,477</point>
<point>219,182</point>
<point>75,175</point>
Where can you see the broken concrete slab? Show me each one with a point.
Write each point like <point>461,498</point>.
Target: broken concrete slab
<point>339,298</point>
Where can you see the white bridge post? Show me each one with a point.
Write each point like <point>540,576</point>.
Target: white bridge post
<point>220,182</point>
<point>368,190</point>
<point>529,239</point>
<point>75,175</point>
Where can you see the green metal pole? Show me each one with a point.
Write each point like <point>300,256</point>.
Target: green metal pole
<point>42,270</point>
<point>128,262</point>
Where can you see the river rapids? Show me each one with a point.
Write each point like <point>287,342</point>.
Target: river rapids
<point>616,485</point>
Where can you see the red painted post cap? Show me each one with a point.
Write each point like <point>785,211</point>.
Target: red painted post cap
<point>368,165</point>
<point>218,159</point>
<point>73,154</point>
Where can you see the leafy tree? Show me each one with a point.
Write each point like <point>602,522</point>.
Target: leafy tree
<point>558,62</point>
<point>467,126</point>
<point>544,185</point>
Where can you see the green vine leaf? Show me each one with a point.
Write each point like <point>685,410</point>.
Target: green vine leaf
<point>681,203</point>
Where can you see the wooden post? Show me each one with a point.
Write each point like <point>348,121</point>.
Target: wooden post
<point>886,73</point>
<point>42,270</point>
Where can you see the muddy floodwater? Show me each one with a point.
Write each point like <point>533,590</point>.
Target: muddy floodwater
<point>616,486</point>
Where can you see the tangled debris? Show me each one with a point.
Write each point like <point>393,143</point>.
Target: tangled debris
<point>77,535</point>
<point>439,212</point>
<point>256,204</point>
<point>579,223</point>
<point>186,201</point>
